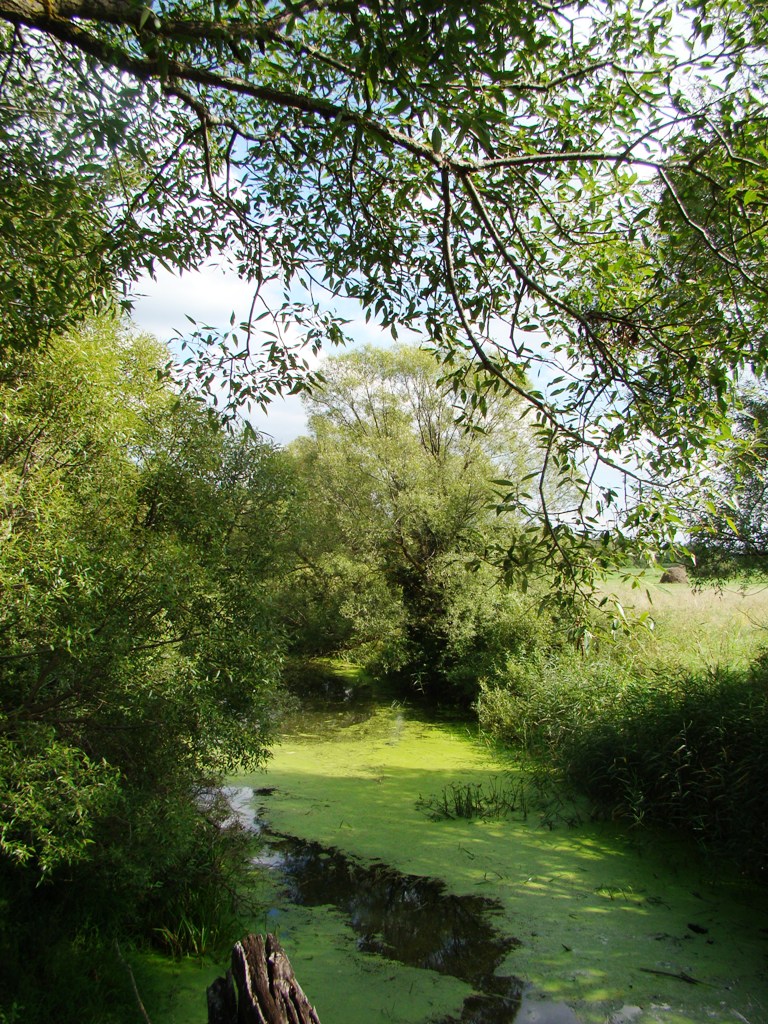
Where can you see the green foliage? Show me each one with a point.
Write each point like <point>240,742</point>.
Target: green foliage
<point>51,794</point>
<point>489,626</point>
<point>175,882</point>
<point>45,218</point>
<point>576,191</point>
<point>681,749</point>
<point>730,535</point>
<point>400,507</point>
<point>45,284</point>
<point>141,655</point>
<point>335,603</point>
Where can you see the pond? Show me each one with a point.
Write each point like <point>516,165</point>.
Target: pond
<point>391,913</point>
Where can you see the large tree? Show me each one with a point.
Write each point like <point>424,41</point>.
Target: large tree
<point>578,188</point>
<point>140,660</point>
<point>403,525</point>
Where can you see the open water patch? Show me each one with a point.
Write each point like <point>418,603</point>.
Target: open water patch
<point>403,917</point>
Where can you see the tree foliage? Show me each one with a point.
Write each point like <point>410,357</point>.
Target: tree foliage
<point>576,188</point>
<point>402,521</point>
<point>730,535</point>
<point>140,656</point>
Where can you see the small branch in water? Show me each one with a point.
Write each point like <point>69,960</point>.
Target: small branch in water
<point>680,975</point>
<point>127,966</point>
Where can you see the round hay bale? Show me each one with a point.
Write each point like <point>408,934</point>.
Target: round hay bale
<point>675,574</point>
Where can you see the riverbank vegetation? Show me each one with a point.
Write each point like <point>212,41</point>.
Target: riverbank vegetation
<point>141,655</point>
<point>396,563</point>
<point>664,727</point>
<point>158,569</point>
<point>653,702</point>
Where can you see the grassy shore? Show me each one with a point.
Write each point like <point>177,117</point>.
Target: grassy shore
<point>663,723</point>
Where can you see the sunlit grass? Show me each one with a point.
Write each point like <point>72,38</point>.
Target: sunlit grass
<point>696,628</point>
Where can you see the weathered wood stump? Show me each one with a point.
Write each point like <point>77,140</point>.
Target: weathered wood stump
<point>260,988</point>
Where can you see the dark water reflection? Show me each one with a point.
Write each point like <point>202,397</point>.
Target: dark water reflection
<point>406,918</point>
<point>326,703</point>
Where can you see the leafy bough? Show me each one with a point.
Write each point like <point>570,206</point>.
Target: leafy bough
<point>568,203</point>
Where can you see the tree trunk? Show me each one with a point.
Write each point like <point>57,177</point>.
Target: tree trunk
<point>260,988</point>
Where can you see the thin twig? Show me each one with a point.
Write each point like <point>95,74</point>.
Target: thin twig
<point>127,966</point>
<point>680,975</point>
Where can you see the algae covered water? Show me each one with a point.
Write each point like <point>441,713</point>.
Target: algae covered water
<point>566,920</point>
<point>394,914</point>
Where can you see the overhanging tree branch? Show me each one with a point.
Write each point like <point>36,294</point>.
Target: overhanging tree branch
<point>387,152</point>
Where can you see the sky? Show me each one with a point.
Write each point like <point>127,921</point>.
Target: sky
<point>210,296</point>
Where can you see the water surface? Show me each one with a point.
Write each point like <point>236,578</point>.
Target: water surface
<point>592,922</point>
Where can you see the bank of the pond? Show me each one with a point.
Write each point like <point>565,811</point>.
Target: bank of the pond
<point>609,922</point>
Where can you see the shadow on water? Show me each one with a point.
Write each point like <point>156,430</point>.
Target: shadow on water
<point>406,918</point>
<point>326,702</point>
<point>403,917</point>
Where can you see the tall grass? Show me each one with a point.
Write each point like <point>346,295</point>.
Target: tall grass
<point>493,798</point>
<point>665,726</point>
<point>506,797</point>
<point>707,628</point>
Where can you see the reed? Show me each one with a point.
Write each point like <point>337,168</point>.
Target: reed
<point>665,726</point>
<point>532,789</point>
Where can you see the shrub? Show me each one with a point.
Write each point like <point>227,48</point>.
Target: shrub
<point>684,750</point>
<point>140,658</point>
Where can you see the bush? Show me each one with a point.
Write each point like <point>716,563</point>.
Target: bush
<point>174,883</point>
<point>687,751</point>
<point>140,658</point>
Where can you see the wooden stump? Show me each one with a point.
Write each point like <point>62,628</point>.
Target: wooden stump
<point>260,989</point>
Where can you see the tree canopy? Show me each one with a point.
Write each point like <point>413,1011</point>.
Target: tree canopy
<point>141,661</point>
<point>397,561</point>
<point>140,657</point>
<point>574,190</point>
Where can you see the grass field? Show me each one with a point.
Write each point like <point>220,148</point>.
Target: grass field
<point>701,628</point>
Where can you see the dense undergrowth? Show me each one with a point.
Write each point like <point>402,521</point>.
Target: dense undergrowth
<point>652,730</point>
<point>140,664</point>
<point>66,948</point>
